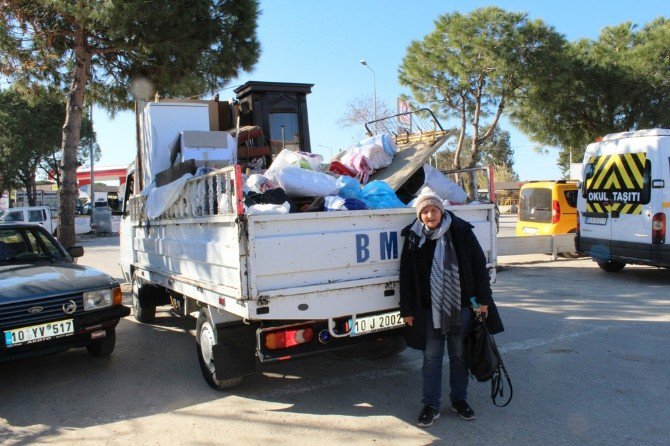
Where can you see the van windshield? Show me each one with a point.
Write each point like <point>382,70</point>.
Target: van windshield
<point>535,205</point>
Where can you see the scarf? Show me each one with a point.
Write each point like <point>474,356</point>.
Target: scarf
<point>445,283</point>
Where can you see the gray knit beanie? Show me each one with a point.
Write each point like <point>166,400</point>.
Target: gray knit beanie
<point>428,197</point>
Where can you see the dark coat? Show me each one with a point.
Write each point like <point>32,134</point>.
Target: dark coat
<point>474,279</point>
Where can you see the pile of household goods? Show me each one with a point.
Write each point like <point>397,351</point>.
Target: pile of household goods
<point>300,181</point>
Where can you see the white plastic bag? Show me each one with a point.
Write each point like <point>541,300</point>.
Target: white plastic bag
<point>291,158</point>
<point>258,209</point>
<point>443,186</point>
<point>258,183</point>
<point>298,182</point>
<point>334,203</point>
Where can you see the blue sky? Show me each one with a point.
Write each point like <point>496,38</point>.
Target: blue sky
<point>322,43</point>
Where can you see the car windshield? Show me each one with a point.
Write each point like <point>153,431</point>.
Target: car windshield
<point>27,244</point>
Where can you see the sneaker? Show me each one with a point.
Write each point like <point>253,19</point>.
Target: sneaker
<point>427,415</point>
<point>463,410</point>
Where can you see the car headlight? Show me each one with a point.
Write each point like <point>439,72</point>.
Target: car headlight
<point>94,300</point>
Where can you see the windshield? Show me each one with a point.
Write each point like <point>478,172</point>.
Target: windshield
<point>27,244</point>
<point>10,216</point>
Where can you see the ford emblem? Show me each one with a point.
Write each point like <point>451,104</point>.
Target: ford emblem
<point>69,307</point>
<point>35,310</point>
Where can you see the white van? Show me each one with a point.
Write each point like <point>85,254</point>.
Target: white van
<point>624,200</point>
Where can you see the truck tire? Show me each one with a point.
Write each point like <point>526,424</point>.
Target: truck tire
<point>205,341</point>
<point>611,266</point>
<point>103,347</point>
<point>142,311</point>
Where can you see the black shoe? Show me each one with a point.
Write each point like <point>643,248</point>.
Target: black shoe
<point>427,415</point>
<point>463,410</point>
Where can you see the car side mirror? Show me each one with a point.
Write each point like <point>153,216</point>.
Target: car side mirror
<point>75,251</point>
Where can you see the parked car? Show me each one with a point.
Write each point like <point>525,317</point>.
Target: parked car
<point>548,208</point>
<point>50,304</point>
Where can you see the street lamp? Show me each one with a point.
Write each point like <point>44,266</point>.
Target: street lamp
<point>374,87</point>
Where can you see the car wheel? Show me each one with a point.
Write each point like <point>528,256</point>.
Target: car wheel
<point>206,340</point>
<point>611,266</point>
<point>104,347</point>
<point>143,312</point>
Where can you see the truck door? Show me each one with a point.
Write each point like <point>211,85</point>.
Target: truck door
<point>631,209</point>
<point>618,211</point>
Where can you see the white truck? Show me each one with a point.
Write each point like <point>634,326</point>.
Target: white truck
<point>43,216</point>
<point>274,287</point>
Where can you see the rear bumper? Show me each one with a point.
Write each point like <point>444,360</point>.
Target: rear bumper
<point>626,252</point>
<point>85,324</point>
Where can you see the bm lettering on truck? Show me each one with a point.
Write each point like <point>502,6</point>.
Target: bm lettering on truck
<point>616,183</point>
<point>388,246</point>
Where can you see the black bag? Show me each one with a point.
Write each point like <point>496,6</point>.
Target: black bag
<point>484,361</point>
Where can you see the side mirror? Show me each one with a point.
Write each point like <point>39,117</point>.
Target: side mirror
<point>75,251</point>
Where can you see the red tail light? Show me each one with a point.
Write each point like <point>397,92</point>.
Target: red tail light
<point>555,211</point>
<point>288,338</point>
<point>658,228</point>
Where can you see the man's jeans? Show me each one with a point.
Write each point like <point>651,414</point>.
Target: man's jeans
<point>433,357</point>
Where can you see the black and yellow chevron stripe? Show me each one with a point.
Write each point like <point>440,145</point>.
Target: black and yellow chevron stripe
<point>616,172</point>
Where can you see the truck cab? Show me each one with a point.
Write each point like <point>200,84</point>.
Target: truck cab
<point>29,214</point>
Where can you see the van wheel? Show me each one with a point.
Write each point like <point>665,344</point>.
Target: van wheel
<point>142,311</point>
<point>611,266</point>
<point>206,340</point>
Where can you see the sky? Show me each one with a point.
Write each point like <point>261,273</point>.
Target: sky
<point>322,43</point>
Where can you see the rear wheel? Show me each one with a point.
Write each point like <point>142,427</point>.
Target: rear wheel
<point>143,311</point>
<point>611,266</point>
<point>104,347</point>
<point>206,340</point>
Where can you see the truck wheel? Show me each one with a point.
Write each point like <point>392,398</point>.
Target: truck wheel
<point>206,340</point>
<point>143,312</point>
<point>104,347</point>
<point>611,266</point>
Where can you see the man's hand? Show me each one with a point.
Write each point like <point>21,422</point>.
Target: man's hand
<point>409,320</point>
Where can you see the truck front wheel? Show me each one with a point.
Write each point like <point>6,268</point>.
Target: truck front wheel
<point>611,266</point>
<point>206,340</point>
<point>143,311</point>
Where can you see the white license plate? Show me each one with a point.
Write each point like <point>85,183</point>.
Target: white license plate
<point>378,322</point>
<point>37,333</point>
<point>596,220</point>
<point>531,231</point>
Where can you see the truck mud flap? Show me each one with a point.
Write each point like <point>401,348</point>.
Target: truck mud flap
<point>234,354</point>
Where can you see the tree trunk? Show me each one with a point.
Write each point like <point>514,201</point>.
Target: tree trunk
<point>71,135</point>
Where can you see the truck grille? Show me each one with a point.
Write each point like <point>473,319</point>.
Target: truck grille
<point>17,314</point>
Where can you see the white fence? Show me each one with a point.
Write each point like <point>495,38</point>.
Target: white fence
<point>537,244</point>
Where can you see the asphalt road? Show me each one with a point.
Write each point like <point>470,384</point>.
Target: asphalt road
<point>586,350</point>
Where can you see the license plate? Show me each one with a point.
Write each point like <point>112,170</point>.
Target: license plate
<point>37,333</point>
<point>378,322</point>
<point>531,231</point>
<point>596,220</point>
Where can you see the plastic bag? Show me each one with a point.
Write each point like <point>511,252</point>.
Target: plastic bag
<point>291,158</point>
<point>334,203</point>
<point>348,187</point>
<point>259,183</point>
<point>443,186</point>
<point>299,182</point>
<point>258,209</point>
<point>379,195</point>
